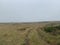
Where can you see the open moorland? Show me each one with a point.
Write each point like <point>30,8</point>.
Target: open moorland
<point>38,33</point>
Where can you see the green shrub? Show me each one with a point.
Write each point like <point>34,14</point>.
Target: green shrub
<point>57,27</point>
<point>49,29</point>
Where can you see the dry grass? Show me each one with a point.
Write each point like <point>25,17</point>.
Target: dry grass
<point>27,34</point>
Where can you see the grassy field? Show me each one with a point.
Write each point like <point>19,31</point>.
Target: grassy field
<point>42,33</point>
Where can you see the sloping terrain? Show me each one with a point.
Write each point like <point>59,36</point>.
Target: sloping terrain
<point>30,33</point>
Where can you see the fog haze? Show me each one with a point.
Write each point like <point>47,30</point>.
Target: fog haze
<point>29,10</point>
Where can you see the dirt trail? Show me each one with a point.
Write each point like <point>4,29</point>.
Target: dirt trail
<point>26,40</point>
<point>41,35</point>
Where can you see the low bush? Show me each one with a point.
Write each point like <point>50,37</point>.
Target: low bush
<point>51,28</point>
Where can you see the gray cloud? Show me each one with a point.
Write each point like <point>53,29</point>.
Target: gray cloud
<point>29,10</point>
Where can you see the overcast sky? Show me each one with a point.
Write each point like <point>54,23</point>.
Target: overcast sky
<point>29,10</point>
